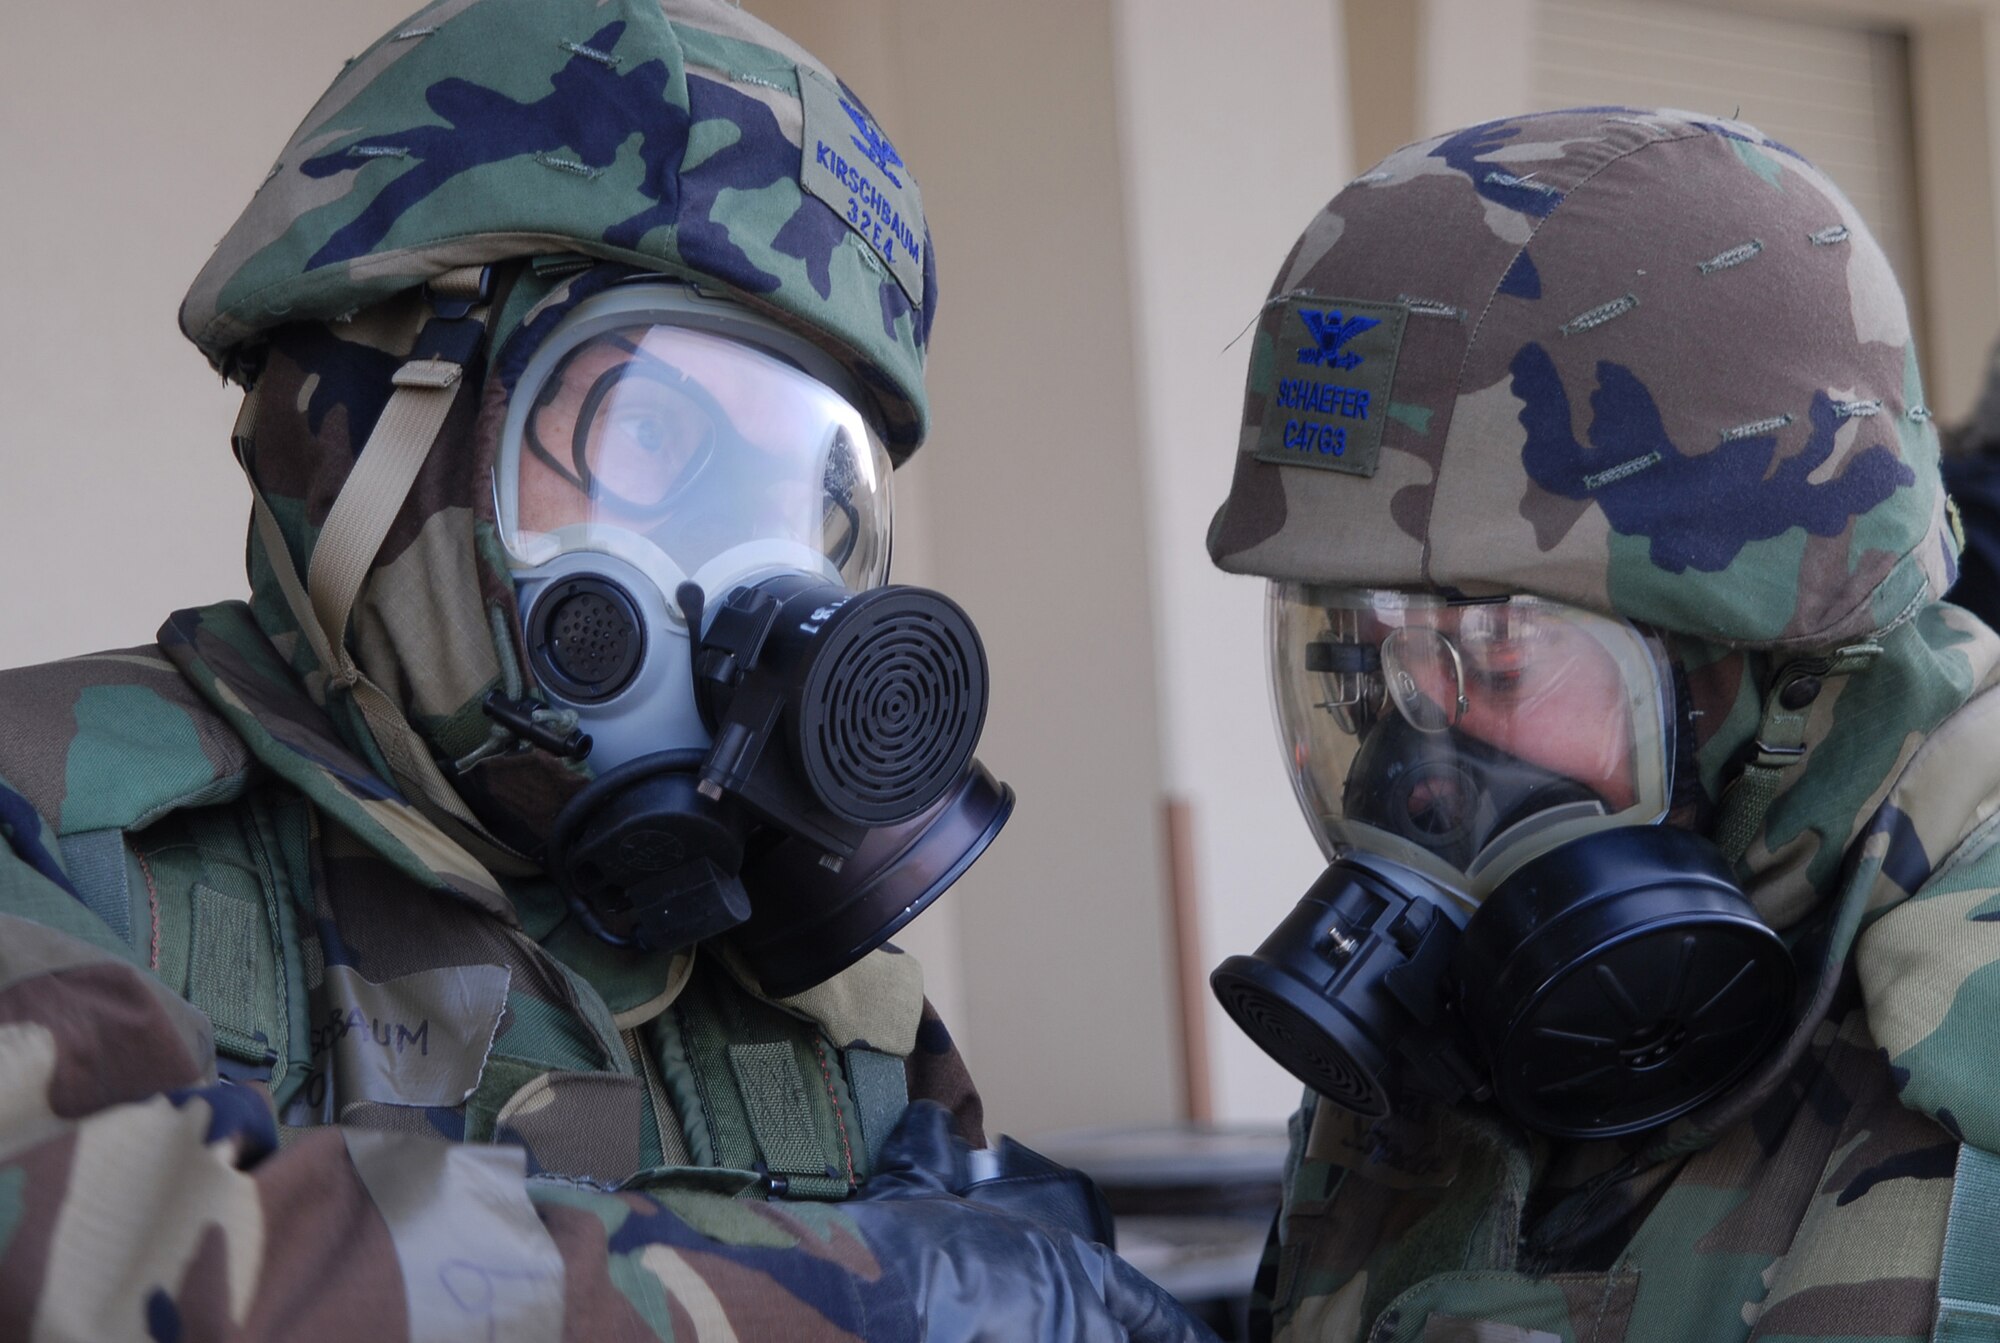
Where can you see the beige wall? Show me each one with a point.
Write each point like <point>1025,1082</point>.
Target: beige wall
<point>1029,500</point>
<point>1111,184</point>
<point>1235,135</point>
<point>128,142</point>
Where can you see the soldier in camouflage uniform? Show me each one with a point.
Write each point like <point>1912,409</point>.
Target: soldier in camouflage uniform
<point>296,1039</point>
<point>1652,365</point>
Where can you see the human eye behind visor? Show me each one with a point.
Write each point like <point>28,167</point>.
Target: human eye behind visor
<point>694,453</point>
<point>1465,738</point>
<point>619,426</point>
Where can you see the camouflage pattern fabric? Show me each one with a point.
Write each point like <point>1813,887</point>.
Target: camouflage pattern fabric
<point>288,1048</point>
<point>1652,364</point>
<point>670,135</point>
<point>389,983</point>
<point>1589,402</point>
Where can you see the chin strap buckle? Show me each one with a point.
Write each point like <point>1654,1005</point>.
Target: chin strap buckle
<point>1780,743</point>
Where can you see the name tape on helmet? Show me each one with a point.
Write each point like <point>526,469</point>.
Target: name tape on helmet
<point>1326,389</point>
<point>848,163</point>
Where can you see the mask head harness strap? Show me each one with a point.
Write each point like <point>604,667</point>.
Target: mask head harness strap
<point>426,386</point>
<point>1780,744</point>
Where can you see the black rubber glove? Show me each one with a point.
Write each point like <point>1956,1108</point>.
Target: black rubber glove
<point>977,1269</point>
<point>1022,1181</point>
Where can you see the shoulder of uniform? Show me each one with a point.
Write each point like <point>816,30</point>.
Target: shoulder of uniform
<point>114,740</point>
<point>876,1004</point>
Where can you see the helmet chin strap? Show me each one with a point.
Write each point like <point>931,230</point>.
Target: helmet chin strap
<point>425,388</point>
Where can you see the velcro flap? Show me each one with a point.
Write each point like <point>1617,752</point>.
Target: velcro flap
<point>781,1116</point>
<point>1326,388</point>
<point>881,1091</point>
<point>231,979</point>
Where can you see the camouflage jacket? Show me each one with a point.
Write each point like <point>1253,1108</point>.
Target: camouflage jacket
<point>1811,1204</point>
<point>244,988</point>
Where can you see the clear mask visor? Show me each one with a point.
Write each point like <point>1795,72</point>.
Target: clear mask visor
<point>1465,738</point>
<point>688,450</point>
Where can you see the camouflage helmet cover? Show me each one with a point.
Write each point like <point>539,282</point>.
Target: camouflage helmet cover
<point>1645,362</point>
<point>681,136</point>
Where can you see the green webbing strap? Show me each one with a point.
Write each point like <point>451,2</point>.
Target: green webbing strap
<point>95,860</point>
<point>222,973</point>
<point>1969,1276</point>
<point>881,1093</point>
<point>782,1117</point>
<point>1780,744</point>
<point>666,1124</point>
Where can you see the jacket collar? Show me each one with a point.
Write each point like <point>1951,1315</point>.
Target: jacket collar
<point>224,654</point>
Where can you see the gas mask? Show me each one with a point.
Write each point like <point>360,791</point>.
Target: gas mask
<point>1503,915</point>
<point>697,521</point>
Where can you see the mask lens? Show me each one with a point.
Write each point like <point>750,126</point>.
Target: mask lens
<point>691,440</point>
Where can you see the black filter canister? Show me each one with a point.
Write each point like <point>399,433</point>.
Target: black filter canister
<point>810,920</point>
<point>1619,981</point>
<point>878,698</point>
<point>1346,993</point>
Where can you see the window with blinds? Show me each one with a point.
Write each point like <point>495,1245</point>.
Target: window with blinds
<point>1839,93</point>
